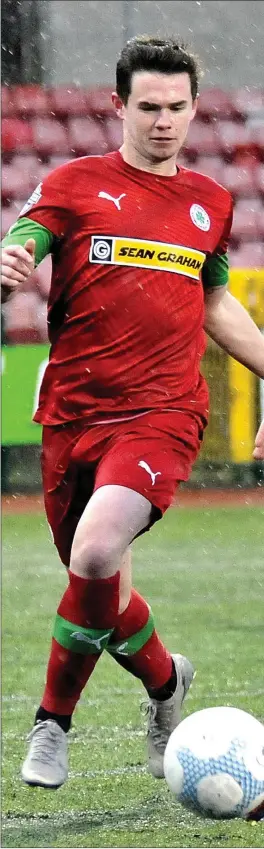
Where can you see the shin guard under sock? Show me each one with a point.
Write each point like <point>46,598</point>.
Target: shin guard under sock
<point>136,646</point>
<point>84,623</point>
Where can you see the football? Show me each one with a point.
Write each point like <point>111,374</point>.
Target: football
<point>214,763</point>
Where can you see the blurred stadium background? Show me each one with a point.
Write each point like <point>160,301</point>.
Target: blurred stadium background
<point>58,71</point>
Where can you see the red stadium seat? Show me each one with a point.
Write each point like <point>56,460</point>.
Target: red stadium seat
<point>56,161</point>
<point>114,133</point>
<point>235,139</point>
<point>29,163</point>
<point>248,255</point>
<point>16,135</point>
<point>246,223</point>
<point>99,102</point>
<point>86,137</point>
<point>35,168</point>
<point>257,135</point>
<point>182,160</point>
<point>49,136</point>
<point>44,170</point>
<point>215,104</point>
<point>21,318</point>
<point>202,140</point>
<point>68,100</point>
<point>211,166</point>
<point>15,183</point>
<point>247,102</point>
<point>260,217</point>
<point>239,180</point>
<point>259,179</point>
<point>31,100</point>
<point>247,159</point>
<point>250,204</point>
<point>9,216</point>
<point>7,102</point>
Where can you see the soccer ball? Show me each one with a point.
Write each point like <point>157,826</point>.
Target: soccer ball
<point>214,763</point>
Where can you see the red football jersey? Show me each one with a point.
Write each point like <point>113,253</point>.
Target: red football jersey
<point>126,305</point>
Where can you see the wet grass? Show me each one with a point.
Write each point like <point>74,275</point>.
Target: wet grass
<point>203,574</point>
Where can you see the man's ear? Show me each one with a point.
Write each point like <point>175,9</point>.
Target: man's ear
<point>194,107</point>
<point>118,104</point>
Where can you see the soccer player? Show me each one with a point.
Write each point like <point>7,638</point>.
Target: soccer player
<point>140,268</point>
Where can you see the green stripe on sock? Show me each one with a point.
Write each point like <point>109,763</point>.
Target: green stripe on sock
<point>78,639</point>
<point>131,645</point>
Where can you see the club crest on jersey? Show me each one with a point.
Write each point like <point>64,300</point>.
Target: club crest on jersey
<point>34,198</point>
<point>159,256</point>
<point>200,217</point>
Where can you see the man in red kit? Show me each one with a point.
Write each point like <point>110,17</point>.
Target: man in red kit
<point>140,268</point>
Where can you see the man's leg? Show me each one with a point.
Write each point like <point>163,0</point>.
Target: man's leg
<point>86,618</point>
<point>152,456</point>
<point>136,646</point>
<point>116,513</point>
<point>144,656</point>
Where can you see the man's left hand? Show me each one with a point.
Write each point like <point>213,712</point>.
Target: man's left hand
<point>258,452</point>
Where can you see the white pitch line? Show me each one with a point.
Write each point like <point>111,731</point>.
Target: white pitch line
<point>69,817</point>
<point>91,734</point>
<point>87,702</point>
<point>119,770</point>
<point>228,694</point>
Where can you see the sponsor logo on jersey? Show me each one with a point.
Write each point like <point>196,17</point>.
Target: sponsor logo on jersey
<point>137,252</point>
<point>200,217</point>
<point>34,198</point>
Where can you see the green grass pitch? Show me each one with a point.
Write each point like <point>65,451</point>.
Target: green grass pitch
<point>202,571</point>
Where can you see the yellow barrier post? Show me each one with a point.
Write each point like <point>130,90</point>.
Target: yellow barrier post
<point>247,285</point>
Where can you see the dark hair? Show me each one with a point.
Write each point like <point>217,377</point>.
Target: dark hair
<point>147,53</point>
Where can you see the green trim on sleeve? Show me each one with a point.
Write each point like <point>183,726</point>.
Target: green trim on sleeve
<point>215,271</point>
<point>26,228</point>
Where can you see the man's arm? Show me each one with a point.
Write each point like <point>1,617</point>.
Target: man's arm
<point>25,246</point>
<point>27,228</point>
<point>258,452</point>
<point>231,326</point>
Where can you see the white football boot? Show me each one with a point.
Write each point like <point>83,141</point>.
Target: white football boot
<point>164,716</point>
<point>46,763</point>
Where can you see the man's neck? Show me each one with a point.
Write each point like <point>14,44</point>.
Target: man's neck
<point>167,168</point>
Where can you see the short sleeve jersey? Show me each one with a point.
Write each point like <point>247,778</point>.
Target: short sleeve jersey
<point>126,304</point>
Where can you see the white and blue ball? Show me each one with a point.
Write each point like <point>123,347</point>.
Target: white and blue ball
<point>214,763</point>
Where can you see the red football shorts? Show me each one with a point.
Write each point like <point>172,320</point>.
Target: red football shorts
<point>150,454</point>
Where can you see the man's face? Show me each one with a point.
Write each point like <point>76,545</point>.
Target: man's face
<point>157,115</point>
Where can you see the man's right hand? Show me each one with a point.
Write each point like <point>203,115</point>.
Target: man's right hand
<point>17,263</point>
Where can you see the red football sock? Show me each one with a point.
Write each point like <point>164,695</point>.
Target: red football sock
<point>152,663</point>
<point>92,606</point>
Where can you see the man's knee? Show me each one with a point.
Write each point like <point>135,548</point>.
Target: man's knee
<point>109,523</point>
<point>98,557</point>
